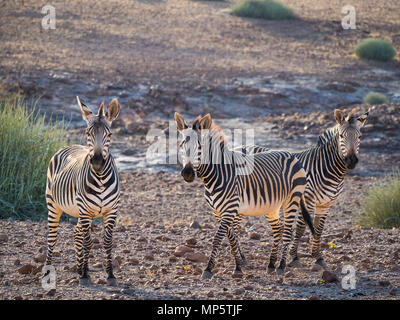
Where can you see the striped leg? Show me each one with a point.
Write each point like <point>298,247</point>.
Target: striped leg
<point>85,223</point>
<point>236,226</point>
<point>319,220</point>
<point>235,250</point>
<point>276,225</point>
<point>226,223</point>
<point>109,223</point>
<point>289,214</point>
<point>299,232</point>
<point>52,220</point>
<point>78,246</point>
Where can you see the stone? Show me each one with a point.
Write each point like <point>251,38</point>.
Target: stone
<point>191,242</point>
<point>133,261</point>
<point>329,277</point>
<point>254,236</point>
<point>384,283</point>
<point>195,225</point>
<point>17,262</point>
<point>40,258</point>
<point>51,292</point>
<point>181,250</point>
<point>314,298</point>
<point>26,269</point>
<point>196,257</point>
<point>3,237</point>
<point>239,291</point>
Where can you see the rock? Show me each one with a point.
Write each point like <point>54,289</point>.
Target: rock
<point>239,291</point>
<point>393,292</point>
<point>191,242</point>
<point>40,258</point>
<point>51,292</point>
<point>17,262</point>
<point>142,239</point>
<point>149,257</point>
<point>101,281</point>
<point>181,250</point>
<point>133,261</point>
<point>3,237</point>
<point>26,269</point>
<point>254,236</point>
<point>7,283</point>
<point>329,277</point>
<point>196,257</point>
<point>384,283</point>
<point>314,298</point>
<point>249,288</point>
<point>126,251</point>
<point>117,261</point>
<point>210,294</point>
<point>18,298</point>
<point>195,225</point>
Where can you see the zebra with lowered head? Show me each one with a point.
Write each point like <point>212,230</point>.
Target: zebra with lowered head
<point>326,165</point>
<point>238,185</point>
<point>82,181</point>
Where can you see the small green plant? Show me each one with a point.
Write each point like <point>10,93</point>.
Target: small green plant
<point>375,49</point>
<point>263,9</point>
<point>381,206</point>
<point>375,98</point>
<point>27,144</point>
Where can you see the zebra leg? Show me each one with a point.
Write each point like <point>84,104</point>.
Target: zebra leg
<point>85,224</point>
<point>276,226</point>
<point>299,232</point>
<point>236,226</point>
<point>52,220</point>
<point>289,214</point>
<point>109,223</point>
<point>78,247</point>
<point>319,221</point>
<point>226,223</point>
<point>235,250</point>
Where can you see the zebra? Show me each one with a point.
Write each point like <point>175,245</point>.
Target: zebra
<point>326,164</point>
<point>275,180</point>
<point>82,181</point>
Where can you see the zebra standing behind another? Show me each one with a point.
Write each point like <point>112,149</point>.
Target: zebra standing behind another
<point>326,165</point>
<point>237,185</point>
<point>82,181</point>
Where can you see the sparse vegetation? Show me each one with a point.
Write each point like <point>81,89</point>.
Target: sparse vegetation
<point>375,49</point>
<point>263,9</point>
<point>26,147</point>
<point>375,98</point>
<point>381,206</point>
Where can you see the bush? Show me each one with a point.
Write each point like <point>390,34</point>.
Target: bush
<point>26,147</point>
<point>382,205</point>
<point>375,49</point>
<point>263,9</point>
<point>375,98</point>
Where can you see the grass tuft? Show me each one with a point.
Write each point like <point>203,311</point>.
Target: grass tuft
<point>375,98</point>
<point>381,206</point>
<point>375,49</point>
<point>27,144</point>
<point>263,9</point>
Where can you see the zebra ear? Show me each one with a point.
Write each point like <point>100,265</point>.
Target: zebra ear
<point>363,118</point>
<point>205,122</point>
<point>180,123</point>
<point>86,113</point>
<point>339,116</point>
<point>113,110</point>
<point>100,113</point>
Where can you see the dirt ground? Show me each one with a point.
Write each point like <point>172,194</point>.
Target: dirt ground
<point>190,56</point>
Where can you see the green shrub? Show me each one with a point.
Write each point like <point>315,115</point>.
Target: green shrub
<point>375,49</point>
<point>263,9</point>
<point>375,98</point>
<point>26,147</point>
<point>381,206</point>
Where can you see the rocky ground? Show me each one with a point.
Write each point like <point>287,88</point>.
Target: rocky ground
<point>283,79</point>
<point>163,239</point>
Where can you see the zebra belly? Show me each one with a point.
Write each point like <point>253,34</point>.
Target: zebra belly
<point>262,210</point>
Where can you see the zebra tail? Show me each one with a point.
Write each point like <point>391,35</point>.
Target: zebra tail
<point>306,215</point>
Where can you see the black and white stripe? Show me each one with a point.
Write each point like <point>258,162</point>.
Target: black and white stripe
<point>82,181</point>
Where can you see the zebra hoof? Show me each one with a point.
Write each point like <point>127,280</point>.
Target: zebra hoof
<point>319,265</point>
<point>271,270</point>
<point>295,263</point>
<point>237,273</point>
<point>280,271</point>
<point>112,282</point>
<point>206,275</point>
<point>85,281</point>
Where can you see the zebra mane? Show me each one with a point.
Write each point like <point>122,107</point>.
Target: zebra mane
<point>326,136</point>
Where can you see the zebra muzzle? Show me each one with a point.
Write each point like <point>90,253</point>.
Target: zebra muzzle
<point>188,173</point>
<point>97,162</point>
<point>351,161</point>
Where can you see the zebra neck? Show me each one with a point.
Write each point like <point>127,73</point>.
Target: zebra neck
<point>335,162</point>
